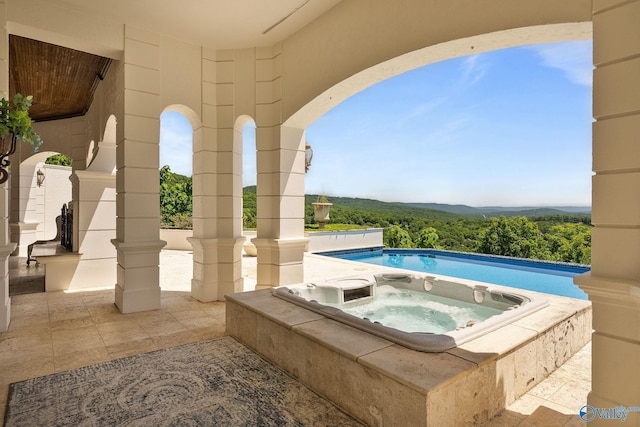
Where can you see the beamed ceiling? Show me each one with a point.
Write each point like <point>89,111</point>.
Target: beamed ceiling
<point>61,80</point>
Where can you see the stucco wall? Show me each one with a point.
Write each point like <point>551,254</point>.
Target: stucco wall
<point>344,240</point>
<point>57,191</point>
<point>357,35</point>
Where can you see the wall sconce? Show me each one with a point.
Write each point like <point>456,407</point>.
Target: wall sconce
<point>39,177</point>
<point>308,155</point>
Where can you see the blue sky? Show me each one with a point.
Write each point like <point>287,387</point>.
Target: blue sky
<point>509,127</point>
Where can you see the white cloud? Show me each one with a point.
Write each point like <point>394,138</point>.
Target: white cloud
<point>473,69</point>
<point>573,58</point>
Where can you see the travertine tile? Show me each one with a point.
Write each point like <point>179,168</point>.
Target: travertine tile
<point>129,348</point>
<point>545,348</point>
<point>115,333</point>
<point>77,359</point>
<point>543,417</point>
<point>422,371</point>
<point>575,421</point>
<point>241,323</point>
<point>494,344</point>
<point>506,419</point>
<point>571,395</point>
<point>473,394</point>
<point>160,323</point>
<point>174,339</point>
<point>547,387</point>
<point>441,406</point>
<point>526,369</point>
<point>80,339</point>
<point>348,341</point>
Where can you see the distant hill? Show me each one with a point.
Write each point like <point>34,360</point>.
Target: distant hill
<point>490,211</point>
<point>441,211</point>
<point>379,207</point>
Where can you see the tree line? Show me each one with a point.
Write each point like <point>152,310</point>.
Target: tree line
<point>558,237</point>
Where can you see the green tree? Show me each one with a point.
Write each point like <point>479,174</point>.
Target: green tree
<point>570,242</point>
<point>397,237</point>
<point>175,199</point>
<point>249,207</point>
<point>58,159</point>
<point>427,238</point>
<point>514,237</point>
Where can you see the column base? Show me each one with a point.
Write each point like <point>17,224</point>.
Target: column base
<point>280,261</point>
<point>138,277</point>
<point>133,301</point>
<point>217,268</point>
<point>615,348</point>
<point>5,314</point>
<point>5,301</point>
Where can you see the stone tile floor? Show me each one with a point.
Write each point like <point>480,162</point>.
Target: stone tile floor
<point>53,332</point>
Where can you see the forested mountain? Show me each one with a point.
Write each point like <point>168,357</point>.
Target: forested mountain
<point>550,234</point>
<point>489,211</point>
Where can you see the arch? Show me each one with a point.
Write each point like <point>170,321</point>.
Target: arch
<point>190,115</point>
<point>38,206</point>
<point>331,96</point>
<point>101,156</point>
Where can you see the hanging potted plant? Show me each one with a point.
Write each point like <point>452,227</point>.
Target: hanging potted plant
<point>15,124</point>
<point>321,210</point>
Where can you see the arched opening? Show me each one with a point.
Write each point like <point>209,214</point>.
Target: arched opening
<point>176,198</point>
<point>249,203</point>
<point>507,129</point>
<point>44,188</point>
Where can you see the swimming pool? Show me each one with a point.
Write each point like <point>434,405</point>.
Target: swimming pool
<point>541,276</point>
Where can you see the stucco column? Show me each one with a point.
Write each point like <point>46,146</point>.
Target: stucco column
<point>614,282</point>
<point>6,247</point>
<point>280,241</point>
<point>137,239</point>
<point>94,224</point>
<point>217,180</point>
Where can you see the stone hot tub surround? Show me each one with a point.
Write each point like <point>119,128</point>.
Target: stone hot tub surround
<point>383,383</point>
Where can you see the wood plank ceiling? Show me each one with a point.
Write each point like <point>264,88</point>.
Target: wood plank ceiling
<point>61,80</point>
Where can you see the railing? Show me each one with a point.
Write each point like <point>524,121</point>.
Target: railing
<point>66,228</point>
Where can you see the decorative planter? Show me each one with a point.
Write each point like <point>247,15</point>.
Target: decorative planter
<point>321,213</point>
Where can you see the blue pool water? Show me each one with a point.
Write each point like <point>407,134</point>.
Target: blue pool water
<point>551,278</point>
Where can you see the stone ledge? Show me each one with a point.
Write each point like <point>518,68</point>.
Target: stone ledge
<point>385,384</point>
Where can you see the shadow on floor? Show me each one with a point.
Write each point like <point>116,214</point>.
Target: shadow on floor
<point>23,279</point>
<point>542,416</point>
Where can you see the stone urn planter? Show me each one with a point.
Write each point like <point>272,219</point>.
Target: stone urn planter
<point>321,213</point>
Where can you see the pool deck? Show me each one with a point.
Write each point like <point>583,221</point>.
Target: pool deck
<point>54,331</point>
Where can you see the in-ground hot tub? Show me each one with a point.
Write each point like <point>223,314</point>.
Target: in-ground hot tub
<point>421,312</point>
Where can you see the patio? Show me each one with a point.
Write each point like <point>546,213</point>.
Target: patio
<point>57,331</point>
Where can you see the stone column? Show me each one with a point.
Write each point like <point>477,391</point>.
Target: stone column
<point>280,241</point>
<point>94,225</point>
<point>6,247</point>
<point>137,239</point>
<point>614,282</point>
<point>217,184</point>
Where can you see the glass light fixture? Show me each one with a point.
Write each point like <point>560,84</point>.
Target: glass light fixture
<point>39,177</point>
<point>308,155</point>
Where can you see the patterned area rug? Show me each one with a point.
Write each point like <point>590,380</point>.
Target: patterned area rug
<point>213,383</point>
